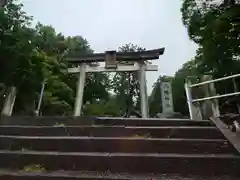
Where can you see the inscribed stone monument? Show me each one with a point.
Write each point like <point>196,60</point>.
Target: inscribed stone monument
<point>167,100</point>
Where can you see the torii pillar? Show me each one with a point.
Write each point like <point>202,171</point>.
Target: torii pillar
<point>143,90</point>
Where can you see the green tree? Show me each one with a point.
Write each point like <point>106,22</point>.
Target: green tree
<point>215,27</point>
<point>33,55</point>
<point>126,84</point>
<point>108,107</point>
<point>21,63</point>
<point>60,87</point>
<point>189,71</point>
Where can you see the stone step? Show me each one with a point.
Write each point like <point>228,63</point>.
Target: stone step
<point>124,162</point>
<point>152,122</point>
<point>117,144</point>
<point>115,131</point>
<point>88,175</point>
<point>79,121</point>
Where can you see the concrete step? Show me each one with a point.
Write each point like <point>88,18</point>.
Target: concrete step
<point>117,144</point>
<point>115,131</point>
<point>151,122</point>
<point>91,175</point>
<point>124,162</point>
<point>79,121</point>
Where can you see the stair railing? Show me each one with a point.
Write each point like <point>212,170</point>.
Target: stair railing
<point>191,101</point>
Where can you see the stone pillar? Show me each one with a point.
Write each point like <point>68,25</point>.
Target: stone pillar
<point>80,90</point>
<point>215,104</point>
<point>236,90</point>
<point>9,102</point>
<point>167,100</point>
<point>143,90</point>
<point>210,107</point>
<point>194,108</point>
<point>40,98</point>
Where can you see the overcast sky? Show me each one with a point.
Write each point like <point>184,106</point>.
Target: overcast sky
<point>108,24</point>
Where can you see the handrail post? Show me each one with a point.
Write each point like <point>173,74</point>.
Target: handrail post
<point>236,90</point>
<point>215,105</point>
<point>189,98</point>
<point>211,106</point>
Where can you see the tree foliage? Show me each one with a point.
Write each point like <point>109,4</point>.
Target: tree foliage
<point>214,26</point>
<point>31,56</point>
<point>126,84</point>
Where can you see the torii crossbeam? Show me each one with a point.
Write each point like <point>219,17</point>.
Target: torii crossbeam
<point>112,59</point>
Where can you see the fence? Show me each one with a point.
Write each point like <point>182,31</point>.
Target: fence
<point>190,100</point>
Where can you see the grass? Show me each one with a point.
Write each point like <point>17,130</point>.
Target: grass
<point>142,135</point>
<point>59,125</point>
<point>36,168</point>
<point>25,149</point>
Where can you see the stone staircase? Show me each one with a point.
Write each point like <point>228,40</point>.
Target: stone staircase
<point>65,148</point>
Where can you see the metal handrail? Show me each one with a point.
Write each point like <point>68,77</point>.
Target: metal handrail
<point>215,97</point>
<point>189,96</point>
<point>215,80</point>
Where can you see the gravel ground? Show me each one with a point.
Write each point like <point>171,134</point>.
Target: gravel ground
<point>116,176</point>
<point>126,176</point>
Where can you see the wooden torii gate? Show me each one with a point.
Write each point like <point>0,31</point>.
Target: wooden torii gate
<point>111,59</point>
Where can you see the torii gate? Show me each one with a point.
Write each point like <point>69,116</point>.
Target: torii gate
<point>111,59</point>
